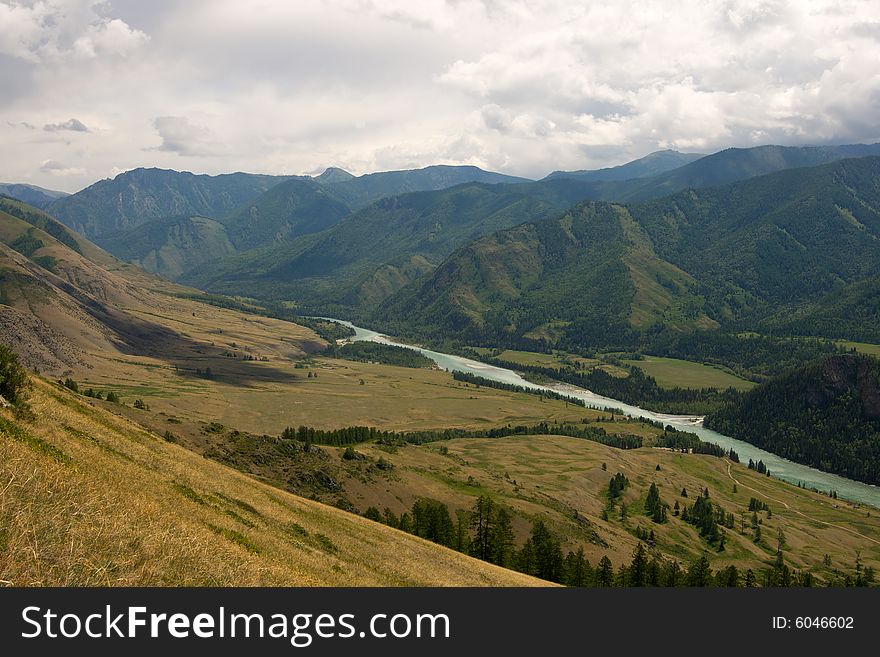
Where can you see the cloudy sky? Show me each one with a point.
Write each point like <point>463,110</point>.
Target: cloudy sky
<point>526,87</point>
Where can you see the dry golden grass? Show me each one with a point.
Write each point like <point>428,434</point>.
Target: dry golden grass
<point>556,478</point>
<point>89,498</point>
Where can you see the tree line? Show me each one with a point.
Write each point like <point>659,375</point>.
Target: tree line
<point>359,434</point>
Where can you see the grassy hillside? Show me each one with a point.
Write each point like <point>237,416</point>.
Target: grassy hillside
<point>563,482</point>
<point>93,499</point>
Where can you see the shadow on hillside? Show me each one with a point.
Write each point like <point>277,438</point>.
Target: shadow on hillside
<point>135,336</point>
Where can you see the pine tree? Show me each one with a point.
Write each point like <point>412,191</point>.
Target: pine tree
<point>699,572</point>
<point>605,572</point>
<point>639,567</point>
<point>502,538</point>
<point>482,527</point>
<point>672,574</point>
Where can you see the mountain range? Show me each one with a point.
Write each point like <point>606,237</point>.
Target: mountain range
<point>733,255</point>
<point>769,238</point>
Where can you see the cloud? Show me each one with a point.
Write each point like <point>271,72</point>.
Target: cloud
<point>71,124</point>
<point>51,30</point>
<point>185,138</point>
<point>55,168</point>
<point>523,86</point>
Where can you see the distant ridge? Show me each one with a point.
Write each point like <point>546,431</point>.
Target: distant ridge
<point>31,194</point>
<point>650,165</point>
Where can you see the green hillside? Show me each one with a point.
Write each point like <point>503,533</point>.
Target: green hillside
<point>825,414</point>
<point>604,275</point>
<point>291,208</point>
<point>362,259</point>
<point>172,245</point>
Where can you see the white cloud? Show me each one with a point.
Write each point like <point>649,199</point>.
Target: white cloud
<point>523,86</point>
<point>49,30</point>
<point>55,168</point>
<point>181,136</point>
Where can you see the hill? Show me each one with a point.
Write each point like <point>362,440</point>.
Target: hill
<point>292,208</point>
<point>137,196</point>
<point>172,245</point>
<point>825,414</point>
<point>363,258</point>
<point>650,165</point>
<point>31,194</point>
<point>603,274</point>
<point>99,501</point>
<point>68,306</point>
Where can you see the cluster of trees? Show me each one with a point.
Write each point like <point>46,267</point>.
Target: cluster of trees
<point>354,435</point>
<point>375,352</point>
<point>473,379</point>
<point>111,396</point>
<point>636,388</point>
<point>751,356</point>
<point>823,415</point>
<point>654,506</point>
<point>709,520</point>
<point>686,441</point>
<point>759,467</point>
<point>486,532</point>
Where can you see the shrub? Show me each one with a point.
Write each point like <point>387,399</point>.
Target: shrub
<point>13,377</point>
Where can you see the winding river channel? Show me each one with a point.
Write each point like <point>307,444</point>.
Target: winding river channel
<point>778,466</point>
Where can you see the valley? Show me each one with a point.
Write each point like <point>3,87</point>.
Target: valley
<point>596,317</point>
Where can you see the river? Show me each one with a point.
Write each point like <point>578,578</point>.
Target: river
<point>778,466</point>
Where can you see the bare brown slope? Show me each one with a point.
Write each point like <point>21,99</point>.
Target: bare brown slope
<point>68,308</point>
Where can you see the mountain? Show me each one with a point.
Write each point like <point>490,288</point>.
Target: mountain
<point>732,165</point>
<point>334,175</point>
<point>650,165</point>
<point>128,214</point>
<point>111,206</point>
<point>605,273</point>
<point>361,191</point>
<point>289,209</point>
<point>825,414</point>
<point>590,272</point>
<point>172,245</point>
<point>31,194</point>
<point>365,257</point>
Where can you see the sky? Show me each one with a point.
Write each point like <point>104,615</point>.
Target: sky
<point>91,89</point>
